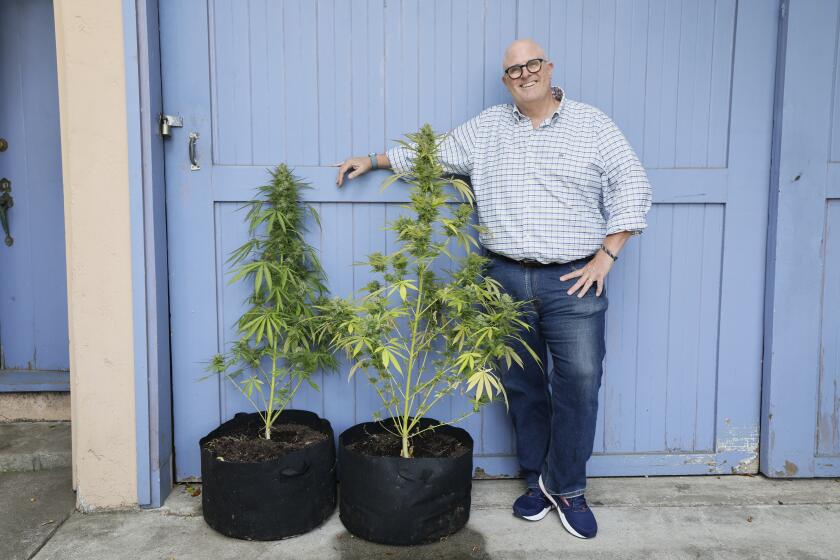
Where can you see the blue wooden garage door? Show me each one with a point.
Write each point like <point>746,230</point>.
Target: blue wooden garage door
<point>311,82</point>
<point>34,346</point>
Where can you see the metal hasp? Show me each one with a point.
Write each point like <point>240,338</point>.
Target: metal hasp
<point>168,122</point>
<point>6,202</point>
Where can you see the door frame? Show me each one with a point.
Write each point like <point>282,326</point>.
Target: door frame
<point>149,274</point>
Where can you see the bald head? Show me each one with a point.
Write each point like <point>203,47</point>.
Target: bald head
<point>531,88</point>
<point>521,51</point>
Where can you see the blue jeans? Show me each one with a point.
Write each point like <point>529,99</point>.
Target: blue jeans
<point>554,413</point>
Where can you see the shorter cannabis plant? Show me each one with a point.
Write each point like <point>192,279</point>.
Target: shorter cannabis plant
<point>278,349</point>
<point>419,337</point>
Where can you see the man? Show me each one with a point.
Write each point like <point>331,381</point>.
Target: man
<point>559,191</point>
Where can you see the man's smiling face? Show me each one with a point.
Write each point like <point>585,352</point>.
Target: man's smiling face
<point>529,87</point>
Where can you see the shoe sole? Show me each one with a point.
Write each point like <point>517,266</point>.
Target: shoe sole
<point>535,517</point>
<point>563,520</point>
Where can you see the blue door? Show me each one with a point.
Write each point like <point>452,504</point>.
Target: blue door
<point>34,349</point>
<point>801,386</point>
<point>311,82</point>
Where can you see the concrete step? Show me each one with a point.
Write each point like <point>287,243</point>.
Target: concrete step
<point>34,446</point>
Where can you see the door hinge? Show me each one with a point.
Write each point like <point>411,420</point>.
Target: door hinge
<point>167,122</point>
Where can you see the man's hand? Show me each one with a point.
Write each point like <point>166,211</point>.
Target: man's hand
<point>595,272</point>
<point>356,165</point>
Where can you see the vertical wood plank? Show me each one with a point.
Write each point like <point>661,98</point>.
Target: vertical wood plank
<point>262,99</point>
<point>368,237</point>
<point>573,49</point>
<point>654,306</point>
<point>670,74</point>
<point>828,418</point>
<point>683,327</point>
<point>308,397</point>
<point>698,126</point>
<point>621,365</point>
<point>709,322</point>
<point>232,81</point>
<point>653,94</point>
<point>337,220</point>
<point>721,82</point>
<point>687,94</point>
<point>499,30</point>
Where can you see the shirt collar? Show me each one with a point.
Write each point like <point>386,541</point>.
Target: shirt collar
<point>558,94</point>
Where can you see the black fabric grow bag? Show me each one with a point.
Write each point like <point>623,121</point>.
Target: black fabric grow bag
<point>391,500</point>
<point>272,499</point>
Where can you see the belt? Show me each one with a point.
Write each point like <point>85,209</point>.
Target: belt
<point>529,263</point>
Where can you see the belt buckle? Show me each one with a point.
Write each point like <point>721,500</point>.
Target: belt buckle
<point>531,263</point>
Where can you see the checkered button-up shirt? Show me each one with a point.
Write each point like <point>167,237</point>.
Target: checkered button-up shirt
<point>552,193</point>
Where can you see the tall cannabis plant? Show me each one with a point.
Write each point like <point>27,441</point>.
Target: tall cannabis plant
<point>419,337</point>
<point>278,348</point>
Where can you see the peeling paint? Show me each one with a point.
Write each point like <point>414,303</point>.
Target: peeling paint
<point>481,474</point>
<point>739,439</point>
<point>790,468</point>
<point>748,465</point>
<point>827,441</point>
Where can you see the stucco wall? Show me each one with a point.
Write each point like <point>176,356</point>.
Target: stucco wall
<point>89,45</point>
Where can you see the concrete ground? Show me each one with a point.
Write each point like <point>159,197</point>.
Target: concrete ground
<point>36,494</point>
<point>33,505</point>
<point>648,518</point>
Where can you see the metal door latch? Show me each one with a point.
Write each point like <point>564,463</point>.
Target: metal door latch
<point>168,122</point>
<point>193,157</point>
<point>6,202</point>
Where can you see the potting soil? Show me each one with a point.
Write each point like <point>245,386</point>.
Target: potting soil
<point>249,446</point>
<point>429,444</point>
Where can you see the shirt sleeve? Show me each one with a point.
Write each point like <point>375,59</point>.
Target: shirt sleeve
<point>626,189</point>
<point>456,150</point>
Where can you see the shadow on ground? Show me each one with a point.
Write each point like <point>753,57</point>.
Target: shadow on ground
<point>466,544</point>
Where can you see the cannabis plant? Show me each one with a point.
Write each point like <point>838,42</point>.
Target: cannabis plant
<point>418,335</point>
<point>277,349</point>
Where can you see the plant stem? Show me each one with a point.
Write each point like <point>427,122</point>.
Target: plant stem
<point>407,393</point>
<point>271,393</point>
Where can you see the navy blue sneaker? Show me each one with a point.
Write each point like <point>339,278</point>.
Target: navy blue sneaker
<point>532,505</point>
<point>575,514</point>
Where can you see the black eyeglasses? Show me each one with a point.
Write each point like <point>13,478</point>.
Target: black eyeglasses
<point>533,66</point>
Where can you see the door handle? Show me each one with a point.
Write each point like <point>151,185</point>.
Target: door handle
<point>6,202</point>
<point>193,158</point>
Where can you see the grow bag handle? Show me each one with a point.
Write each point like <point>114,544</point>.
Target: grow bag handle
<point>291,471</point>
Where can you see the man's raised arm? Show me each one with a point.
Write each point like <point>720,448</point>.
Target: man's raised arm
<point>456,154</point>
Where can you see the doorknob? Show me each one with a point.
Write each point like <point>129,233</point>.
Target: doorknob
<point>6,202</point>
<point>3,145</point>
